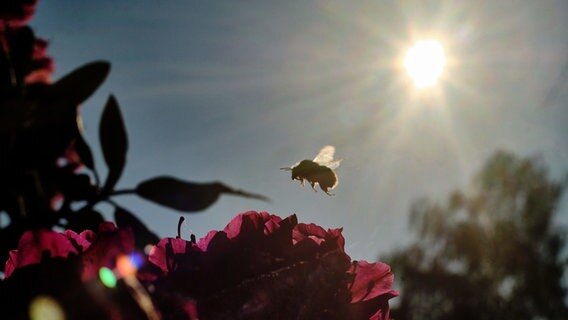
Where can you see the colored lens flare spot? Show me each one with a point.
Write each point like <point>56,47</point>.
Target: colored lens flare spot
<point>107,277</point>
<point>127,265</point>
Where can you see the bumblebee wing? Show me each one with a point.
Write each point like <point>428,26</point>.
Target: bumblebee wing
<point>325,155</point>
<point>333,164</point>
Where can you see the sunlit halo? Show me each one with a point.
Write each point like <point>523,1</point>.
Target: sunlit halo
<point>425,62</point>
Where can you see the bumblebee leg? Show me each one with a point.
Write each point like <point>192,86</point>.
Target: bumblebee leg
<point>326,190</point>
<point>313,184</point>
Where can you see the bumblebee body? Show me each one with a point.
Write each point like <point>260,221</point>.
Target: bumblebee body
<point>318,171</point>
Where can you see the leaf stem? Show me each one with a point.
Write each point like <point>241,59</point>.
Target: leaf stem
<point>97,178</point>
<point>122,192</point>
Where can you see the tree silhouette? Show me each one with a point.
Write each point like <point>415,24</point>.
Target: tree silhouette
<point>491,252</point>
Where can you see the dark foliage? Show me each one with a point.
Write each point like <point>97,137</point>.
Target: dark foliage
<point>46,166</point>
<point>187,196</point>
<point>493,252</point>
<point>114,144</point>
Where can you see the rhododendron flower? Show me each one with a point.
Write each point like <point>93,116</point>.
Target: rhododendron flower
<point>28,55</point>
<point>17,12</point>
<point>64,267</point>
<point>42,65</point>
<point>97,249</point>
<point>261,266</point>
<point>37,245</point>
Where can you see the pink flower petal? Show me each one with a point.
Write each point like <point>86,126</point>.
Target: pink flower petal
<point>371,280</point>
<point>203,243</point>
<point>78,240</point>
<point>103,252</point>
<point>88,235</point>
<point>164,251</point>
<point>249,219</point>
<point>107,226</point>
<point>11,263</point>
<point>312,231</point>
<point>34,245</point>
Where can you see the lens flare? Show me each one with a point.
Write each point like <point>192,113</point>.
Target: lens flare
<point>107,277</point>
<point>425,62</point>
<point>128,265</point>
<point>45,308</point>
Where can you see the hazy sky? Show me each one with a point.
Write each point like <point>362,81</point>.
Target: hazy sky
<point>232,91</point>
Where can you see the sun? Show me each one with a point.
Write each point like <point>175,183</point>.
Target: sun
<point>425,62</point>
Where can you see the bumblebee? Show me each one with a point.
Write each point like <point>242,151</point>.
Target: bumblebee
<point>319,171</point>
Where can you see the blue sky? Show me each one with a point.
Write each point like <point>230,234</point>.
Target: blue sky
<point>233,91</point>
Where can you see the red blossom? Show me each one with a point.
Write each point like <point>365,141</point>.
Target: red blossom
<point>259,266</point>
<point>262,266</point>
<point>371,289</point>
<point>28,58</point>
<point>62,266</point>
<point>110,243</point>
<point>81,240</point>
<point>370,280</point>
<point>42,65</point>
<point>37,245</point>
<point>17,12</point>
<point>97,250</point>
<point>163,254</point>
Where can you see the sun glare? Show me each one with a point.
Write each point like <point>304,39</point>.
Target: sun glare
<point>425,62</point>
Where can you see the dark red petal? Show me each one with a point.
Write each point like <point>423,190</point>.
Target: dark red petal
<point>162,252</point>
<point>233,228</point>
<point>17,12</point>
<point>203,243</point>
<point>80,242</point>
<point>371,280</point>
<point>11,263</point>
<point>337,236</point>
<point>33,245</point>
<point>107,227</point>
<point>88,235</point>
<point>244,222</point>
<point>312,231</point>
<point>105,250</point>
<point>383,312</point>
<point>271,224</point>
<point>40,48</point>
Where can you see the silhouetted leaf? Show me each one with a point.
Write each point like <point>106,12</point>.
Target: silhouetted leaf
<point>84,152</point>
<point>84,219</point>
<point>78,85</point>
<point>114,142</point>
<point>142,235</point>
<point>77,186</point>
<point>187,196</point>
